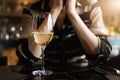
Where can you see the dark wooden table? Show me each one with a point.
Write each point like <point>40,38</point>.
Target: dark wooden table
<point>14,73</point>
<point>21,72</point>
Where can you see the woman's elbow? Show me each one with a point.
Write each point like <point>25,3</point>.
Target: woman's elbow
<point>92,51</point>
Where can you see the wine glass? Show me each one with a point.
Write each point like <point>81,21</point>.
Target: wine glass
<point>42,37</point>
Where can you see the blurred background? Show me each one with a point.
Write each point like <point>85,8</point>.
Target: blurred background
<point>10,26</point>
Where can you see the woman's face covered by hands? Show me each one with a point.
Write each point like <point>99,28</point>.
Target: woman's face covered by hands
<point>82,2</point>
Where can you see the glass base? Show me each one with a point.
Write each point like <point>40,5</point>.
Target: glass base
<point>42,72</point>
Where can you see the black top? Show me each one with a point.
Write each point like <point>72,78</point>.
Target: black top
<point>65,51</point>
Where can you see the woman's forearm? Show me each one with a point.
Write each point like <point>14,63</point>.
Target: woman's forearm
<point>57,6</point>
<point>55,10</point>
<point>86,37</point>
<point>34,48</point>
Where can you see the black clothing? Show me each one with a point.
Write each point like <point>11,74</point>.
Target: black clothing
<point>65,52</point>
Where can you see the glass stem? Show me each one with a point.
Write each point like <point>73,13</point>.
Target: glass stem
<point>43,55</point>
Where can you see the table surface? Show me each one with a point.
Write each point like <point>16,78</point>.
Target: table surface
<point>20,72</point>
<point>11,73</point>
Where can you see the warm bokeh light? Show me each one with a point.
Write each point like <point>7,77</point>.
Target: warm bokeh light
<point>26,2</point>
<point>114,4</point>
<point>111,16</point>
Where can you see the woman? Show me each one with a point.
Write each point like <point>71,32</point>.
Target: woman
<point>80,38</point>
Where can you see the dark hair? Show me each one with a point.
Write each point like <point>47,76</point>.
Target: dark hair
<point>41,5</point>
<point>64,2</point>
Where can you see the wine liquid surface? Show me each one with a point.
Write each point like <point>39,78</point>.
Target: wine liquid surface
<point>42,38</point>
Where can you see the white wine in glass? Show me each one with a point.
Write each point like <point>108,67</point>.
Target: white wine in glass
<point>42,35</point>
<point>43,38</point>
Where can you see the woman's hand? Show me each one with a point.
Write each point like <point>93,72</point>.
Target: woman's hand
<point>70,6</point>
